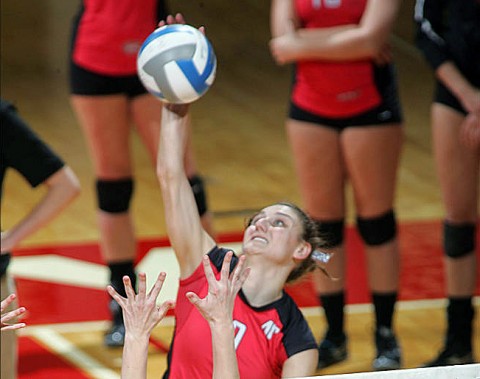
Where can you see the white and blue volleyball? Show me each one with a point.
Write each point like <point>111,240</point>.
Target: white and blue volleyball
<point>177,64</point>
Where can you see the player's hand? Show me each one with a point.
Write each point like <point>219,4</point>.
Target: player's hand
<point>140,312</point>
<point>172,19</point>
<point>12,315</point>
<point>384,56</point>
<point>217,306</point>
<point>470,131</point>
<point>285,48</point>
<point>180,110</point>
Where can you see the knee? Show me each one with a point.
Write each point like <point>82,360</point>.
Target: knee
<point>458,239</point>
<point>378,230</point>
<point>332,232</point>
<point>114,196</point>
<point>198,189</point>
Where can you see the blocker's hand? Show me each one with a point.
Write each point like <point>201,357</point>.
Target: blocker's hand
<point>141,312</point>
<point>9,316</point>
<point>217,306</point>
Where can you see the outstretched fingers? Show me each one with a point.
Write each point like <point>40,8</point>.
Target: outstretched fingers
<point>157,287</point>
<point>239,275</point>
<point>127,283</point>
<point>5,318</point>
<point>116,296</point>
<point>207,268</point>
<point>8,300</point>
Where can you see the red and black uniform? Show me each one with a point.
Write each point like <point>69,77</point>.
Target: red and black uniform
<point>449,30</point>
<point>107,35</point>
<point>23,151</point>
<point>341,93</point>
<point>264,336</point>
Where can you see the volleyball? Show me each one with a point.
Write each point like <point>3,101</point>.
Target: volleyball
<point>177,64</point>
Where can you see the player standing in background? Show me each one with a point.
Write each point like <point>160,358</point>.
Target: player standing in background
<point>448,34</point>
<point>108,99</point>
<point>23,151</point>
<point>344,125</point>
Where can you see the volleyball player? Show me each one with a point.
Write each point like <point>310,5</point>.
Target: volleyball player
<point>272,338</point>
<point>23,151</point>
<point>345,126</point>
<point>109,100</point>
<point>449,37</point>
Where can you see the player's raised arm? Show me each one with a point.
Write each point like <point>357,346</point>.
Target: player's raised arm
<point>189,240</point>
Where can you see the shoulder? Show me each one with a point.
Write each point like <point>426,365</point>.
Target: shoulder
<point>298,336</point>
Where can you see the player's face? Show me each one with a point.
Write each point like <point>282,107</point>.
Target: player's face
<point>274,231</point>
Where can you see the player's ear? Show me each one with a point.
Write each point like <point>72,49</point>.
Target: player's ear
<point>303,250</point>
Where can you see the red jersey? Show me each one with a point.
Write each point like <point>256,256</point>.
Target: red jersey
<point>333,88</point>
<point>264,336</point>
<point>109,33</point>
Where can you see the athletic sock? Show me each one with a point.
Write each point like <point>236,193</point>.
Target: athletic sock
<point>384,304</point>
<point>460,314</point>
<point>333,305</point>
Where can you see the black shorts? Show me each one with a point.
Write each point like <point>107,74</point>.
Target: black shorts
<point>85,82</point>
<point>444,96</point>
<point>388,112</point>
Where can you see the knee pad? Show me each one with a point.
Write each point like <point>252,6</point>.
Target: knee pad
<point>458,239</point>
<point>332,232</point>
<point>114,195</point>
<point>198,189</point>
<point>378,230</point>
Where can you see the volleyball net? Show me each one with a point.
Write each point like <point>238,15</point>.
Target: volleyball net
<point>471,371</point>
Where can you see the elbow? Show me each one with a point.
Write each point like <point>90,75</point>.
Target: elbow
<point>374,47</point>
<point>72,184</point>
<point>373,43</point>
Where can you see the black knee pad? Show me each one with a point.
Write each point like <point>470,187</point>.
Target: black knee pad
<point>332,232</point>
<point>378,230</point>
<point>114,195</point>
<point>198,190</point>
<point>458,239</point>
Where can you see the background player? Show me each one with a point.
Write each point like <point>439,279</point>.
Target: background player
<point>25,152</point>
<point>344,125</point>
<point>449,36</point>
<point>109,99</point>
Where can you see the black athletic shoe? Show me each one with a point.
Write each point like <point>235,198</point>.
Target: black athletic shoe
<point>115,337</point>
<point>451,356</point>
<point>389,355</point>
<point>330,353</point>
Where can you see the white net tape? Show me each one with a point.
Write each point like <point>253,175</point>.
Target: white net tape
<point>448,372</point>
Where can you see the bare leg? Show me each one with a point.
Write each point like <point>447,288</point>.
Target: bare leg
<point>458,173</point>
<point>372,158</point>
<point>146,112</point>
<point>106,126</point>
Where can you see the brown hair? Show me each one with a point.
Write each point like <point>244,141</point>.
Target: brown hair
<point>311,235</point>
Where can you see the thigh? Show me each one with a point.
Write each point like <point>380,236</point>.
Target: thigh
<point>457,166</point>
<point>147,116</point>
<point>106,126</point>
<point>372,158</point>
<point>319,167</point>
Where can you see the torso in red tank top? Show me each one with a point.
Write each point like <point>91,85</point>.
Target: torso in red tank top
<point>333,88</point>
<point>264,337</point>
<point>110,32</point>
